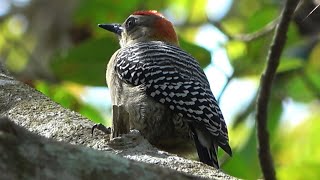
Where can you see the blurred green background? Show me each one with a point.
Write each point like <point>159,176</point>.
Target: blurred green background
<point>56,47</point>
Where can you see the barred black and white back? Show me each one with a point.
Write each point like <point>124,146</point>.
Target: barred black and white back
<point>174,78</point>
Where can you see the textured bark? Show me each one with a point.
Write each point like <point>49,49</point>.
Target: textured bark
<point>29,156</point>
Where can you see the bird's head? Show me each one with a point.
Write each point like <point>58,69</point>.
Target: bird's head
<point>143,26</point>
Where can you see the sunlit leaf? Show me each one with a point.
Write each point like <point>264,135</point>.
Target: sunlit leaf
<point>275,110</point>
<point>311,79</point>
<point>300,150</point>
<point>288,64</point>
<point>314,62</point>
<point>236,49</point>
<point>198,10</point>
<point>245,159</point>
<point>261,18</point>
<point>252,58</point>
<point>244,5</point>
<point>91,113</point>
<point>292,35</point>
<point>61,94</point>
<point>234,25</point>
<point>296,88</point>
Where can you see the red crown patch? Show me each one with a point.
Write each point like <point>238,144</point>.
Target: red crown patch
<point>149,13</point>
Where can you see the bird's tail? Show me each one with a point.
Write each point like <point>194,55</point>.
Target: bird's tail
<point>206,148</point>
<point>207,155</point>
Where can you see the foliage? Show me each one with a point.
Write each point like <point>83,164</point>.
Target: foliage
<point>249,26</point>
<point>67,95</point>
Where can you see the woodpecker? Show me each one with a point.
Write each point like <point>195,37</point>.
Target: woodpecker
<point>162,88</point>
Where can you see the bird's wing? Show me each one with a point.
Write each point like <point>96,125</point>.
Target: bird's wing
<point>174,78</point>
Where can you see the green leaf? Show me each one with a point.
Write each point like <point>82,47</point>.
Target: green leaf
<point>236,49</point>
<point>292,35</point>
<point>86,63</point>
<point>91,113</point>
<point>245,159</point>
<point>275,110</point>
<point>202,55</point>
<point>100,11</point>
<point>262,18</point>
<point>299,150</point>
<point>58,93</point>
<point>61,95</point>
<point>314,62</point>
<point>289,64</point>
<point>297,89</point>
<point>249,58</point>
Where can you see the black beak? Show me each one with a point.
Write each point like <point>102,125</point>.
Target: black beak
<point>115,28</point>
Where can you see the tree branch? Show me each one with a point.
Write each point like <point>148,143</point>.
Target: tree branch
<point>29,156</point>
<point>265,88</point>
<point>30,109</point>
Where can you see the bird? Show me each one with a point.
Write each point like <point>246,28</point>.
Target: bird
<point>159,89</point>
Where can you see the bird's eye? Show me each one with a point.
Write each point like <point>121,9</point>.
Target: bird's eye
<point>131,22</point>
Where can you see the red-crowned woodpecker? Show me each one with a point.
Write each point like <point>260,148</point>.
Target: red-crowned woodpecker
<point>162,88</point>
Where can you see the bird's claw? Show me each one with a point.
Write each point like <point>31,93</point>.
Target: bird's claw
<point>101,127</point>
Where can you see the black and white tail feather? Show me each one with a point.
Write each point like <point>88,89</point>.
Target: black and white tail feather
<point>207,149</point>
<point>174,78</point>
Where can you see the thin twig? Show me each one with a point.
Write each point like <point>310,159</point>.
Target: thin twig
<point>267,77</point>
<point>311,12</point>
<point>229,78</point>
<point>268,28</point>
<point>258,34</point>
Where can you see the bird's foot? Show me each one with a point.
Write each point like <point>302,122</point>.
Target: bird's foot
<point>125,141</point>
<point>102,128</point>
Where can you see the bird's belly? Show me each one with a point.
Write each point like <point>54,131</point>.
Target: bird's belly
<point>156,122</point>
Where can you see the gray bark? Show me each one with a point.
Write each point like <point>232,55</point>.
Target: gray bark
<point>43,140</point>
